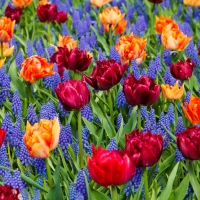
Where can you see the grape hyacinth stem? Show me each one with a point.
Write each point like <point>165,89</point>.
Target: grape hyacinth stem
<point>114,192</point>
<point>139,117</point>
<point>80,140</point>
<point>50,180</point>
<point>146,187</point>
<point>111,106</point>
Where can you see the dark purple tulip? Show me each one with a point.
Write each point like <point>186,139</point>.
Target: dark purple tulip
<point>141,92</point>
<point>188,143</point>
<point>73,94</point>
<point>74,59</point>
<point>156,1</point>
<point>106,74</point>
<point>47,12</point>
<point>13,13</point>
<point>182,70</point>
<point>61,17</point>
<point>148,145</point>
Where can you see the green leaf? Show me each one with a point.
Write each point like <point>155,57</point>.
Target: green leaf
<point>168,189</point>
<point>56,192</point>
<point>108,129</point>
<point>166,163</point>
<point>99,196</point>
<point>182,189</point>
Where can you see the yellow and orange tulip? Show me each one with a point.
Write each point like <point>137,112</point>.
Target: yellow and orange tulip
<point>192,110</point>
<point>42,137</point>
<point>7,51</point>
<point>172,92</point>
<point>195,3</point>
<point>99,3</point>
<point>21,3</point>
<point>2,61</point>
<point>67,41</point>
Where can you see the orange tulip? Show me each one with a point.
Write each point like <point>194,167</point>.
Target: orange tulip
<point>42,137</point>
<point>6,29</point>
<point>174,39</point>
<point>172,92</point>
<point>21,3</point>
<point>34,68</point>
<point>111,16</point>
<point>119,28</point>
<point>67,41</point>
<point>192,2</point>
<point>99,3</point>
<point>164,21</point>
<point>131,48</point>
<point>43,2</point>
<point>7,51</point>
<point>192,110</point>
<point>2,61</point>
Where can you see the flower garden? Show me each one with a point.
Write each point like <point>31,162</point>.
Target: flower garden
<point>99,99</point>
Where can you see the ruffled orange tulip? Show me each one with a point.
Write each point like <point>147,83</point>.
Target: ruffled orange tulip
<point>43,2</point>
<point>6,29</point>
<point>119,28</point>
<point>131,48</point>
<point>192,110</point>
<point>162,21</point>
<point>99,3</point>
<point>34,68</point>
<point>7,51</point>
<point>172,92</point>
<point>192,2</point>
<point>174,39</point>
<point>111,16</point>
<point>2,61</point>
<point>42,137</point>
<point>21,3</point>
<point>67,41</point>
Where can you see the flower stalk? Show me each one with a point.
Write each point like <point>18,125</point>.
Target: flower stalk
<point>1,50</point>
<point>80,140</point>
<point>50,179</point>
<point>114,192</point>
<point>146,185</point>
<point>111,107</point>
<point>139,117</point>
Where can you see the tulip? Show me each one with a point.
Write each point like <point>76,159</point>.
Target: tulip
<point>156,1</point>
<point>9,193</point>
<point>148,145</point>
<point>192,110</point>
<point>67,41</point>
<point>21,3</point>
<point>42,137</point>
<point>72,59</point>
<point>106,74</point>
<point>111,16</point>
<point>73,94</point>
<point>2,136</point>
<point>6,29</point>
<point>119,28</point>
<point>13,13</point>
<point>182,70</point>
<point>195,3</point>
<point>7,51</point>
<point>163,21</point>
<point>140,92</point>
<point>172,92</point>
<point>61,17</point>
<point>2,61</point>
<point>34,68</point>
<point>199,51</point>
<point>99,3</point>
<point>111,168</point>
<point>188,143</point>
<point>43,2</point>
<point>131,48</point>
<point>174,39</point>
<point>47,12</point>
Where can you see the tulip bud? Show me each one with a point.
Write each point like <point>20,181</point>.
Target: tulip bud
<point>148,145</point>
<point>73,94</point>
<point>13,13</point>
<point>9,193</point>
<point>2,136</point>
<point>111,167</point>
<point>188,143</point>
<point>140,92</point>
<point>61,17</point>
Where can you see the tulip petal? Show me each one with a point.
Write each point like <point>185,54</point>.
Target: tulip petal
<point>39,151</point>
<point>55,134</point>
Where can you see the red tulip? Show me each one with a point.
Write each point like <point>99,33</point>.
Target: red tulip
<point>73,94</point>
<point>13,13</point>
<point>148,145</point>
<point>61,17</point>
<point>9,193</point>
<point>111,167</point>
<point>182,70</point>
<point>47,12</point>
<point>2,136</point>
<point>106,74</point>
<point>188,143</point>
<point>156,1</point>
<point>140,92</point>
<point>199,51</point>
<point>72,59</point>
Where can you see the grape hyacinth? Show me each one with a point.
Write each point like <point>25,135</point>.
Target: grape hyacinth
<point>16,105</point>
<point>32,116</point>
<point>80,183</point>
<point>113,144</point>
<point>86,112</point>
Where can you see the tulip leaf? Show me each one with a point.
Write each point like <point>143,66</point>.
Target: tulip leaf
<point>99,195</point>
<point>120,131</point>
<point>139,191</point>
<point>168,189</point>
<point>193,180</point>
<point>56,192</point>
<point>182,189</point>
<point>108,129</point>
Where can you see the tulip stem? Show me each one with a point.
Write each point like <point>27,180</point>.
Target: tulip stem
<point>1,50</point>
<point>114,192</point>
<point>29,92</point>
<point>111,106</point>
<point>49,33</point>
<point>176,111</point>
<point>146,187</point>
<point>50,180</point>
<point>139,117</point>
<point>80,140</point>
